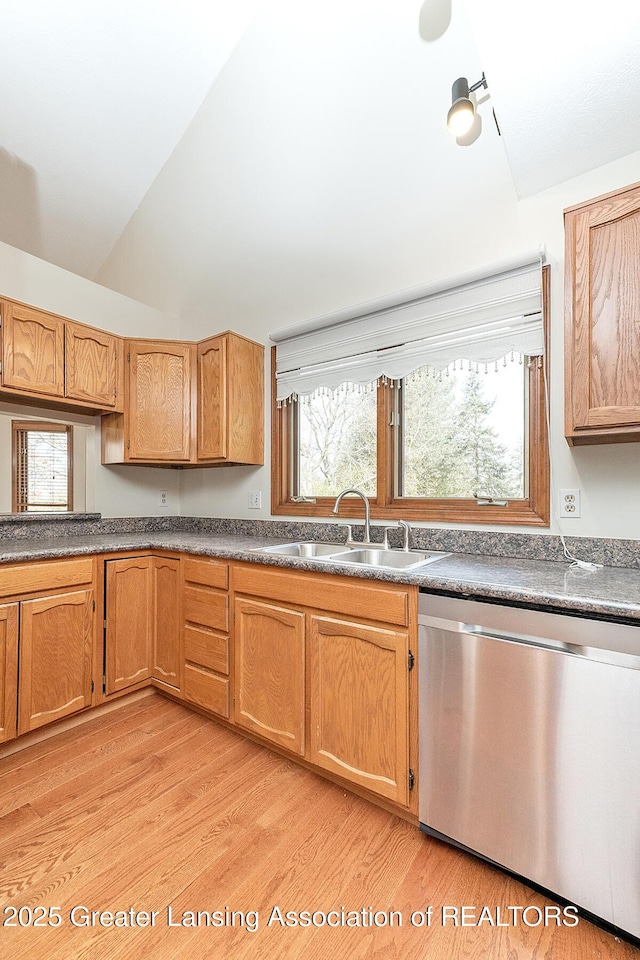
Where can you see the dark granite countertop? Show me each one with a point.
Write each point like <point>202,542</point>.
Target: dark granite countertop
<point>609,592</point>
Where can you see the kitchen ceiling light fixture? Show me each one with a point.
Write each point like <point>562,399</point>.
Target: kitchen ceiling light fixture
<point>462,111</point>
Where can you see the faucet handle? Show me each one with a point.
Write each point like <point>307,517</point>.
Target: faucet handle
<point>406,544</point>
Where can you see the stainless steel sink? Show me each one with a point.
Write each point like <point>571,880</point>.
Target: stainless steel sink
<point>366,557</point>
<point>308,548</point>
<point>395,559</point>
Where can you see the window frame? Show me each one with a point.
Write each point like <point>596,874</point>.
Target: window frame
<point>18,426</point>
<point>533,510</point>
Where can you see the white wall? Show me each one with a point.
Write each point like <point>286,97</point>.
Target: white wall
<point>297,191</point>
<point>112,491</point>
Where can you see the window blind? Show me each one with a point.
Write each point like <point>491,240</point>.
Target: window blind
<point>42,472</point>
<point>479,317</point>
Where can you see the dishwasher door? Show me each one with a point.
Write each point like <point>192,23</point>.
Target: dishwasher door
<point>530,748</point>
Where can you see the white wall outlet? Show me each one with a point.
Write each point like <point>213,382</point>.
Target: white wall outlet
<point>255,499</point>
<point>163,499</point>
<point>569,503</point>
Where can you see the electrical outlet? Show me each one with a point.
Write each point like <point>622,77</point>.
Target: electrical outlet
<point>255,500</point>
<point>569,503</point>
<point>163,499</point>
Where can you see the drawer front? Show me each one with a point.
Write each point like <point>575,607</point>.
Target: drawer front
<point>206,649</point>
<point>207,608</point>
<point>31,577</point>
<point>345,595</point>
<point>207,690</point>
<point>210,573</point>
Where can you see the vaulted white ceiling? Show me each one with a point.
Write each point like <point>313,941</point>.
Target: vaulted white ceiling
<point>95,99</point>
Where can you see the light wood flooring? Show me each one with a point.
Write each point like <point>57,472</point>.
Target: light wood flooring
<point>153,806</point>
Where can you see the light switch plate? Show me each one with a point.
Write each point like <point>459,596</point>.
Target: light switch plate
<point>255,500</point>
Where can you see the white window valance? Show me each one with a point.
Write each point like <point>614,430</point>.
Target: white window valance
<point>480,317</point>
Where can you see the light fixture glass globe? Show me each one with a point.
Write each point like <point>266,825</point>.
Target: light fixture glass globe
<point>460,117</point>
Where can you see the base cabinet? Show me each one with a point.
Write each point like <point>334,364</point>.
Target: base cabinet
<point>56,645</point>
<point>142,635</point>
<point>359,705</point>
<point>270,672</point>
<point>206,639</point>
<point>8,670</point>
<point>315,676</point>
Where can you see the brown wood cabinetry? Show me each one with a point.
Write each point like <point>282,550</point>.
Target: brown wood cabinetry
<point>58,362</point>
<point>32,350</point>
<point>56,644</point>
<point>230,400</point>
<point>359,704</point>
<point>93,364</point>
<point>129,619</point>
<point>142,613</point>
<point>158,411</point>
<point>188,404</point>
<point>602,305</point>
<point>47,640</point>
<point>207,665</point>
<point>322,668</point>
<point>8,670</point>
<point>270,672</point>
<point>167,661</point>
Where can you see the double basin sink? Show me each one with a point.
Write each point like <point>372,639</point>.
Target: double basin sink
<point>359,555</point>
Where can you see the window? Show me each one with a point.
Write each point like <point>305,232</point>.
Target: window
<point>465,443</point>
<point>42,466</point>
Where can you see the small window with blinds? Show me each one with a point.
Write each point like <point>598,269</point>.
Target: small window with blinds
<point>42,467</point>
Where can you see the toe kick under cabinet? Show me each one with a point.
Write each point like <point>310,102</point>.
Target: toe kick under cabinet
<point>323,669</point>
<point>47,639</point>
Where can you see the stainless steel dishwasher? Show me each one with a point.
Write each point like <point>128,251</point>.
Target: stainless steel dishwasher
<point>530,748</point>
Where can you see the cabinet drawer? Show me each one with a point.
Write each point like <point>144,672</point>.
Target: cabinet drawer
<point>207,690</point>
<point>207,649</point>
<point>206,607</point>
<point>28,577</point>
<point>210,573</point>
<point>345,595</point>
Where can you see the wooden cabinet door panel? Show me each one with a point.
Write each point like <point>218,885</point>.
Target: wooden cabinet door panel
<point>602,265</point>
<point>33,350</point>
<point>269,672</point>
<point>56,638</point>
<point>167,621</point>
<point>160,386</point>
<point>359,704</point>
<point>8,670</point>
<point>129,613</point>
<point>92,364</point>
<point>212,399</point>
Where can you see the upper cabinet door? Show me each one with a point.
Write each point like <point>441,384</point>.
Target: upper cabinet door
<point>32,350</point>
<point>212,399</point>
<point>92,364</point>
<point>159,399</point>
<point>602,345</point>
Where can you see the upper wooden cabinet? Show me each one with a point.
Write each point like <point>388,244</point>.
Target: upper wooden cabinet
<point>188,404</point>
<point>158,408</point>
<point>32,350</point>
<point>93,364</point>
<point>57,361</point>
<point>230,400</point>
<point>602,306</point>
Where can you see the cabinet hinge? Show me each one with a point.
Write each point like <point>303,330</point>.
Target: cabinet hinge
<point>104,683</point>
<point>104,625</point>
<point>128,358</point>
<point>128,444</point>
<point>94,605</point>
<point>93,686</point>
<point>411,661</point>
<point>412,779</point>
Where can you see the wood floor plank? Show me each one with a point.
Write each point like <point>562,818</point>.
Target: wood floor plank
<point>190,814</point>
